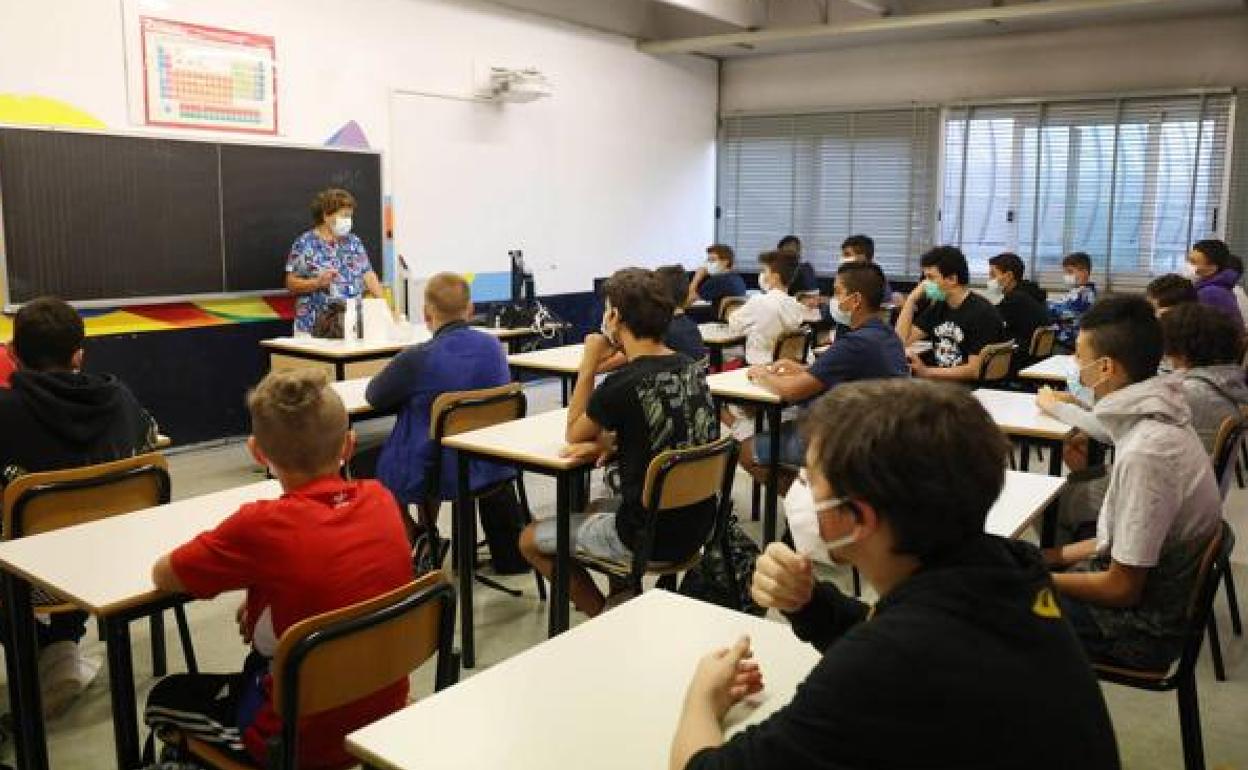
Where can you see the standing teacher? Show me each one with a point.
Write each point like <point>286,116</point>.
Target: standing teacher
<point>328,261</point>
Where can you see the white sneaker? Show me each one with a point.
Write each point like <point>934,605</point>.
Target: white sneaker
<point>63,675</point>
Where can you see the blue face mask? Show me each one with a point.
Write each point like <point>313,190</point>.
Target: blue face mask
<point>1084,394</point>
<point>842,317</point>
<point>933,291</point>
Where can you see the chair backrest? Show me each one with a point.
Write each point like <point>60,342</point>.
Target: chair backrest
<point>339,657</point>
<point>1226,445</point>
<point>460,411</point>
<point>994,361</point>
<point>50,500</point>
<point>1208,576</point>
<point>680,477</point>
<point>728,306</point>
<point>1043,339</point>
<point>794,345</point>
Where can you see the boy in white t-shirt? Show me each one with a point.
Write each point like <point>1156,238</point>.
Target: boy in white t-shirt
<point>766,317</point>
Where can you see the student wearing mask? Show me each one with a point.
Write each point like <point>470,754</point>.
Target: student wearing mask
<point>1020,304</point>
<point>715,280</point>
<point>964,652</point>
<point>958,321</point>
<point>804,280</point>
<point>855,248</point>
<point>1210,268</point>
<point>1202,346</point>
<point>683,334</point>
<point>1077,274</point>
<point>1170,290</point>
<point>1126,590</point>
<point>765,317</point>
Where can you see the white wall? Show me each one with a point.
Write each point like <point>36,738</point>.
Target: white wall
<point>622,132</point>
<point>1136,57</point>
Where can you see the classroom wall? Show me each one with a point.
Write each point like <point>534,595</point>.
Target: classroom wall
<point>1090,60</point>
<point>626,143</point>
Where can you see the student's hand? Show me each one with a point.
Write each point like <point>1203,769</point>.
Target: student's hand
<point>582,450</point>
<point>1075,451</point>
<point>916,293</point>
<point>786,368</point>
<point>700,272</point>
<point>724,677</point>
<point>598,348</point>
<point>1047,398</point>
<point>326,277</point>
<point>783,579</point>
<point>1052,557</point>
<point>244,628</point>
<point>756,371</point>
<point>917,367</point>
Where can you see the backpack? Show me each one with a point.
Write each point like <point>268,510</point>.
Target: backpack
<point>712,579</point>
<point>329,324</point>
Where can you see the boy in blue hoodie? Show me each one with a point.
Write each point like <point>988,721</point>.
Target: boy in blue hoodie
<point>1077,274</point>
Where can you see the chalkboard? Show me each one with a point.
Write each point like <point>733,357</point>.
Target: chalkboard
<point>99,217</point>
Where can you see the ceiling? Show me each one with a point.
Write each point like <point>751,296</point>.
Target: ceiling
<point>735,28</point>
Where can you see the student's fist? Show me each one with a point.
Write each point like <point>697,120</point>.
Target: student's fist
<point>1047,398</point>
<point>783,579</point>
<point>598,347</point>
<point>325,278</point>
<point>726,676</point>
<point>917,293</point>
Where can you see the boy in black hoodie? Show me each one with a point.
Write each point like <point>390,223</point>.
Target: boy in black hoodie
<point>55,416</point>
<point>964,662</point>
<point>1021,304</point>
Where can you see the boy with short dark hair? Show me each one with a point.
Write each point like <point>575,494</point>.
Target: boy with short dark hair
<point>323,545</point>
<point>1077,274</point>
<point>1126,591</point>
<point>683,334</point>
<point>715,280</point>
<point>1021,304</point>
<point>657,401</point>
<point>957,321</point>
<point>56,416</point>
<point>766,317</point>
<point>930,675</point>
<point>805,280</point>
<point>1170,290</point>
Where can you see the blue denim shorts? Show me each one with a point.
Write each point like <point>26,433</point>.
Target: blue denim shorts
<point>592,533</point>
<point>792,450</point>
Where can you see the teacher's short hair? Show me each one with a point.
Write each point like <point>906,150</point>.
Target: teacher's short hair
<point>328,201</point>
<point>448,294</point>
<point>298,421</point>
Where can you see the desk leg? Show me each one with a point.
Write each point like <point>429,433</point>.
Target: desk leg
<point>1055,459</point>
<point>466,535</point>
<point>563,390</point>
<point>22,663</point>
<point>716,354</point>
<point>121,686</point>
<point>1024,455</point>
<point>773,484</point>
<point>559,611</point>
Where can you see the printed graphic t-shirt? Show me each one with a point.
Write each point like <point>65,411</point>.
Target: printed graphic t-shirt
<point>959,333</point>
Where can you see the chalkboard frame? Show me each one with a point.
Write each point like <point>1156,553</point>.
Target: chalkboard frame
<point>378,259</point>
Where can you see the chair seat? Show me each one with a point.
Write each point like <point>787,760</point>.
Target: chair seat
<point>1143,677</point>
<point>623,570</point>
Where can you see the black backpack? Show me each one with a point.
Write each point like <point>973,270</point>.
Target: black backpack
<point>723,578</point>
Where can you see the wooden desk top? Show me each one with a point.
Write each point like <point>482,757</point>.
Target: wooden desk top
<point>537,440</point>
<point>607,693</point>
<point>564,360</point>
<point>106,565</point>
<point>736,384</point>
<point>352,394</point>
<point>1017,415</point>
<point>718,334</point>
<point>1052,369</point>
<point>1022,501</point>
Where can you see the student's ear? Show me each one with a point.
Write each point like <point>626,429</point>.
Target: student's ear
<point>256,454</point>
<point>468,312</point>
<point>75,361</point>
<point>428,318</point>
<point>348,447</point>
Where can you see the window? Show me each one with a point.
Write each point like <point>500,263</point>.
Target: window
<point>826,176</point>
<point>1131,181</point>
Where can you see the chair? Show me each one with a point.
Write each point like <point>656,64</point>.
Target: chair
<point>728,306</point>
<point>794,345</point>
<point>335,658</point>
<point>1043,340</point>
<point>1181,676</point>
<point>674,479</point>
<point>465,410</point>
<point>42,502</point>
<point>1226,447</point>
<point>994,362</point>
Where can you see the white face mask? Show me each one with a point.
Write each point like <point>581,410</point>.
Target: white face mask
<point>714,267</point>
<point>1189,270</point>
<point>839,315</point>
<point>342,226</point>
<point>994,286</point>
<point>1069,279</point>
<point>802,513</point>
<point>764,282</point>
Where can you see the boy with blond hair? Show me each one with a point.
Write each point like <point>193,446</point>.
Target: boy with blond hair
<point>323,545</point>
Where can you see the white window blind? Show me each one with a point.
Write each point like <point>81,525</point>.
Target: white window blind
<point>827,176</point>
<point>1131,181</point>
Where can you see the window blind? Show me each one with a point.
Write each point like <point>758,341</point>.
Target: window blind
<point>1131,181</point>
<point>826,176</point>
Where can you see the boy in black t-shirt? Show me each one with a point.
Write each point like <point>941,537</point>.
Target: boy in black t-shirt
<point>657,401</point>
<point>958,322</point>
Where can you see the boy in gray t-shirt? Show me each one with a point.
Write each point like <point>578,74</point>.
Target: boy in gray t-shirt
<point>1126,590</point>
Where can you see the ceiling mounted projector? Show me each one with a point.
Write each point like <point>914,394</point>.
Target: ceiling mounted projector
<point>517,86</point>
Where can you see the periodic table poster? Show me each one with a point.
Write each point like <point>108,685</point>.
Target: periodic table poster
<point>203,77</point>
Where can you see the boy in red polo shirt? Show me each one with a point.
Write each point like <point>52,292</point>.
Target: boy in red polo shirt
<point>324,544</point>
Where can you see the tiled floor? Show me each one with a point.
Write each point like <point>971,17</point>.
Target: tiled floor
<point>1146,723</point>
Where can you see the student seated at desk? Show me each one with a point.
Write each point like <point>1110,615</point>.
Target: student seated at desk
<point>55,416</point>
<point>805,280</point>
<point>7,365</point>
<point>682,334</point>
<point>958,321</point>
<point>766,317</point>
<point>715,280</point>
<point>457,358</point>
<point>1216,274</point>
<point>1170,290</point>
<point>1126,590</point>
<point>657,401</point>
<point>964,661</point>
<point>869,350</point>
<point>324,544</point>
<point>1020,305</point>
<point>1077,274</point>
